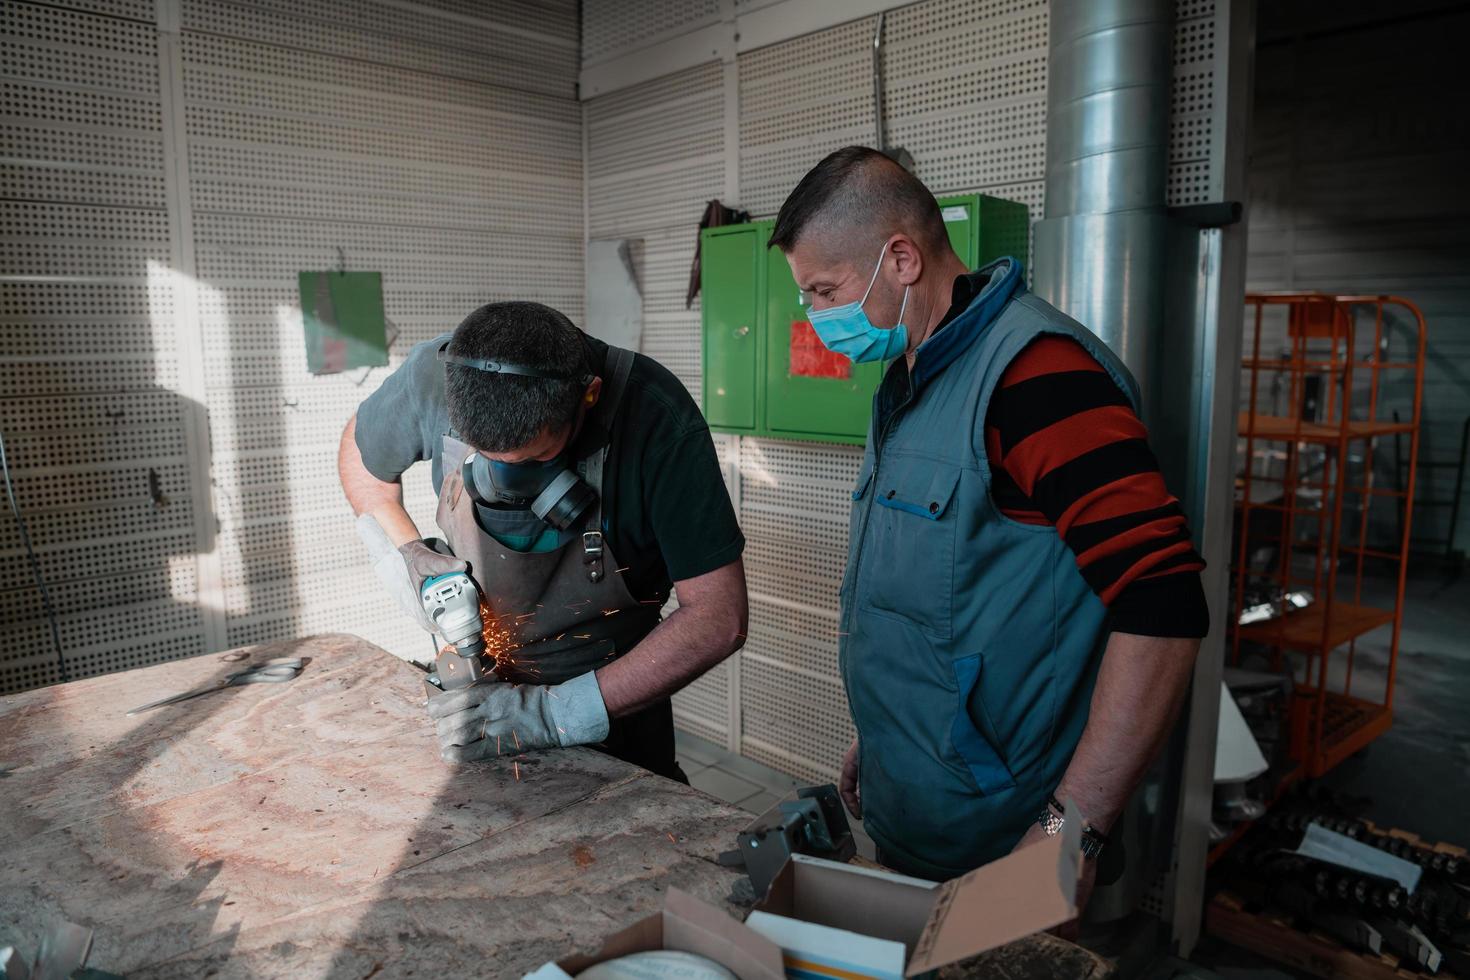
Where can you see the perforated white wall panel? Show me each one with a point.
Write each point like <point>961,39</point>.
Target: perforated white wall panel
<point>612,27</point>
<point>1194,171</point>
<point>966,95</point>
<point>89,397</point>
<point>437,142</point>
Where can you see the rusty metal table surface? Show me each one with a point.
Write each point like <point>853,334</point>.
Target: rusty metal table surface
<point>310,829</point>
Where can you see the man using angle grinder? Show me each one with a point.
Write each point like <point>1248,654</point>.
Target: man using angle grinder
<point>577,485</point>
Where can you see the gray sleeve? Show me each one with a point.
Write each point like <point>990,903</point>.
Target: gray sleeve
<point>398,423</point>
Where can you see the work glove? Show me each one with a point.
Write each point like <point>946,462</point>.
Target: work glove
<point>404,570</point>
<point>491,719</point>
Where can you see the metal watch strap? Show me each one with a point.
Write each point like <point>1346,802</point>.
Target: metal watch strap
<point>1092,841</point>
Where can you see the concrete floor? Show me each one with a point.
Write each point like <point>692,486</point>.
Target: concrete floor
<point>1417,775</point>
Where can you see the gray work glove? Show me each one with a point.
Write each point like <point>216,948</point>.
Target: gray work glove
<point>491,719</point>
<point>404,570</point>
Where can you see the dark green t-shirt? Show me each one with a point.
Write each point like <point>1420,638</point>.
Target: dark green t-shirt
<point>666,510</point>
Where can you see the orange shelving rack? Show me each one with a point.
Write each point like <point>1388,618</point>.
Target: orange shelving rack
<point>1313,391</point>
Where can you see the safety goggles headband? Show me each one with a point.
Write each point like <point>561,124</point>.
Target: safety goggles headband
<point>507,367</point>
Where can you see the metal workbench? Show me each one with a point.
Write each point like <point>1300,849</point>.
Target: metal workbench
<point>310,829</point>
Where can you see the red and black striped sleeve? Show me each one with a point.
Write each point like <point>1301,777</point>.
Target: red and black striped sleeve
<point>1067,449</point>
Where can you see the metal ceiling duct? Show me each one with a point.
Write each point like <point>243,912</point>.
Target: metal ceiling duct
<point>1100,247</point>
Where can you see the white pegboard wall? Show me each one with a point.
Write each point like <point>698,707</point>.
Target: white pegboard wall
<point>297,184</point>
<point>88,368</point>
<point>18,675</point>
<point>129,495</point>
<point>611,27</point>
<point>965,92</point>
<point>647,172</point>
<point>476,49</point>
<point>799,100</point>
<point>701,708</point>
<point>43,46</point>
<point>793,722</point>
<point>89,632</point>
<point>81,166</point>
<point>160,581</point>
<point>1193,120</point>
<point>105,40</point>
<point>436,141</point>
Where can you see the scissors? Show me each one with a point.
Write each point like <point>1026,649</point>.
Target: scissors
<point>276,671</point>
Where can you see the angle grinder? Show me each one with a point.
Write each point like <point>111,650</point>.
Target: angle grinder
<point>452,603</point>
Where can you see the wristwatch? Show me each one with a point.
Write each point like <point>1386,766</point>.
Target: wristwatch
<point>1053,817</point>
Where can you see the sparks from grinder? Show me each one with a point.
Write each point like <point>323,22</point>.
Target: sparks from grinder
<point>479,645</point>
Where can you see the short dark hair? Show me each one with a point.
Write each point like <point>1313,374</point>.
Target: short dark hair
<point>499,413</point>
<point>857,186</point>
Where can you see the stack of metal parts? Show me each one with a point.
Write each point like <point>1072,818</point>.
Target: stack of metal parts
<point>1266,600</point>
<point>1427,927</point>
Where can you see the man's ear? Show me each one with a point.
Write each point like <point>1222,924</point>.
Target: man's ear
<point>594,392</point>
<point>910,259</point>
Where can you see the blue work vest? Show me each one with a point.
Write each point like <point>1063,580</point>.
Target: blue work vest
<point>971,641</point>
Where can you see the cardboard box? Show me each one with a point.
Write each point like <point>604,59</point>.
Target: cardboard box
<point>837,920</point>
<point>685,924</point>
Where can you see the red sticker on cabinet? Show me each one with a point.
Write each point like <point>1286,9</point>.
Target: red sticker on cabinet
<point>809,359</point>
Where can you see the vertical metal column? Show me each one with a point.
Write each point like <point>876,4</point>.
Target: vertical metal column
<point>210,582</point>
<point>1213,449</point>
<point>1100,248</point>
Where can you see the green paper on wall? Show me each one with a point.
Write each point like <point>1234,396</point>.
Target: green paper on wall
<point>342,313</point>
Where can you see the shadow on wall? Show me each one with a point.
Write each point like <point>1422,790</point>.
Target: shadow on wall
<point>104,474</point>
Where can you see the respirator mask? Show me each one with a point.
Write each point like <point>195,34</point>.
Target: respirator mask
<point>550,489</point>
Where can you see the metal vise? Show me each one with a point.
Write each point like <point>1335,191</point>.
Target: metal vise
<point>814,824</point>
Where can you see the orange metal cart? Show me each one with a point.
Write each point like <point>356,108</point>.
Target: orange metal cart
<point>1309,427</point>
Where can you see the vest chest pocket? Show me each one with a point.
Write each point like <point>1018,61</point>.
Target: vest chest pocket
<point>909,545</point>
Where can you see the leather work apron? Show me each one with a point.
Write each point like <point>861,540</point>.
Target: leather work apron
<point>561,613</point>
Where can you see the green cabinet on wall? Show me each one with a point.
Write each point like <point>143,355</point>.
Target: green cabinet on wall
<point>765,371</point>
<point>730,356</point>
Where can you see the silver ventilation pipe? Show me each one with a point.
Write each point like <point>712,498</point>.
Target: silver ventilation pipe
<point>1101,245</point>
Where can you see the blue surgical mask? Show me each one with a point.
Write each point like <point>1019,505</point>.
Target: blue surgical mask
<point>846,329</point>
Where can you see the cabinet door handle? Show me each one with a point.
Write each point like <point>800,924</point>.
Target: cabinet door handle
<point>742,331</point>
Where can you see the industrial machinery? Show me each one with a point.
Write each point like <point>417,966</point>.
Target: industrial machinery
<point>452,603</point>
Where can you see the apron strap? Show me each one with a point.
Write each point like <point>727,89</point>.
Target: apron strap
<point>619,368</point>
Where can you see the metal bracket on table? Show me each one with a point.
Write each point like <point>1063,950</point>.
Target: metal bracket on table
<point>813,823</point>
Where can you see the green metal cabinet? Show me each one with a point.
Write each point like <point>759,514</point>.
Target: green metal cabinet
<point>730,335</point>
<point>765,371</point>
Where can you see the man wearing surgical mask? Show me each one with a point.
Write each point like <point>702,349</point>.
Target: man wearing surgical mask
<point>577,485</point>
<point>1022,606</point>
